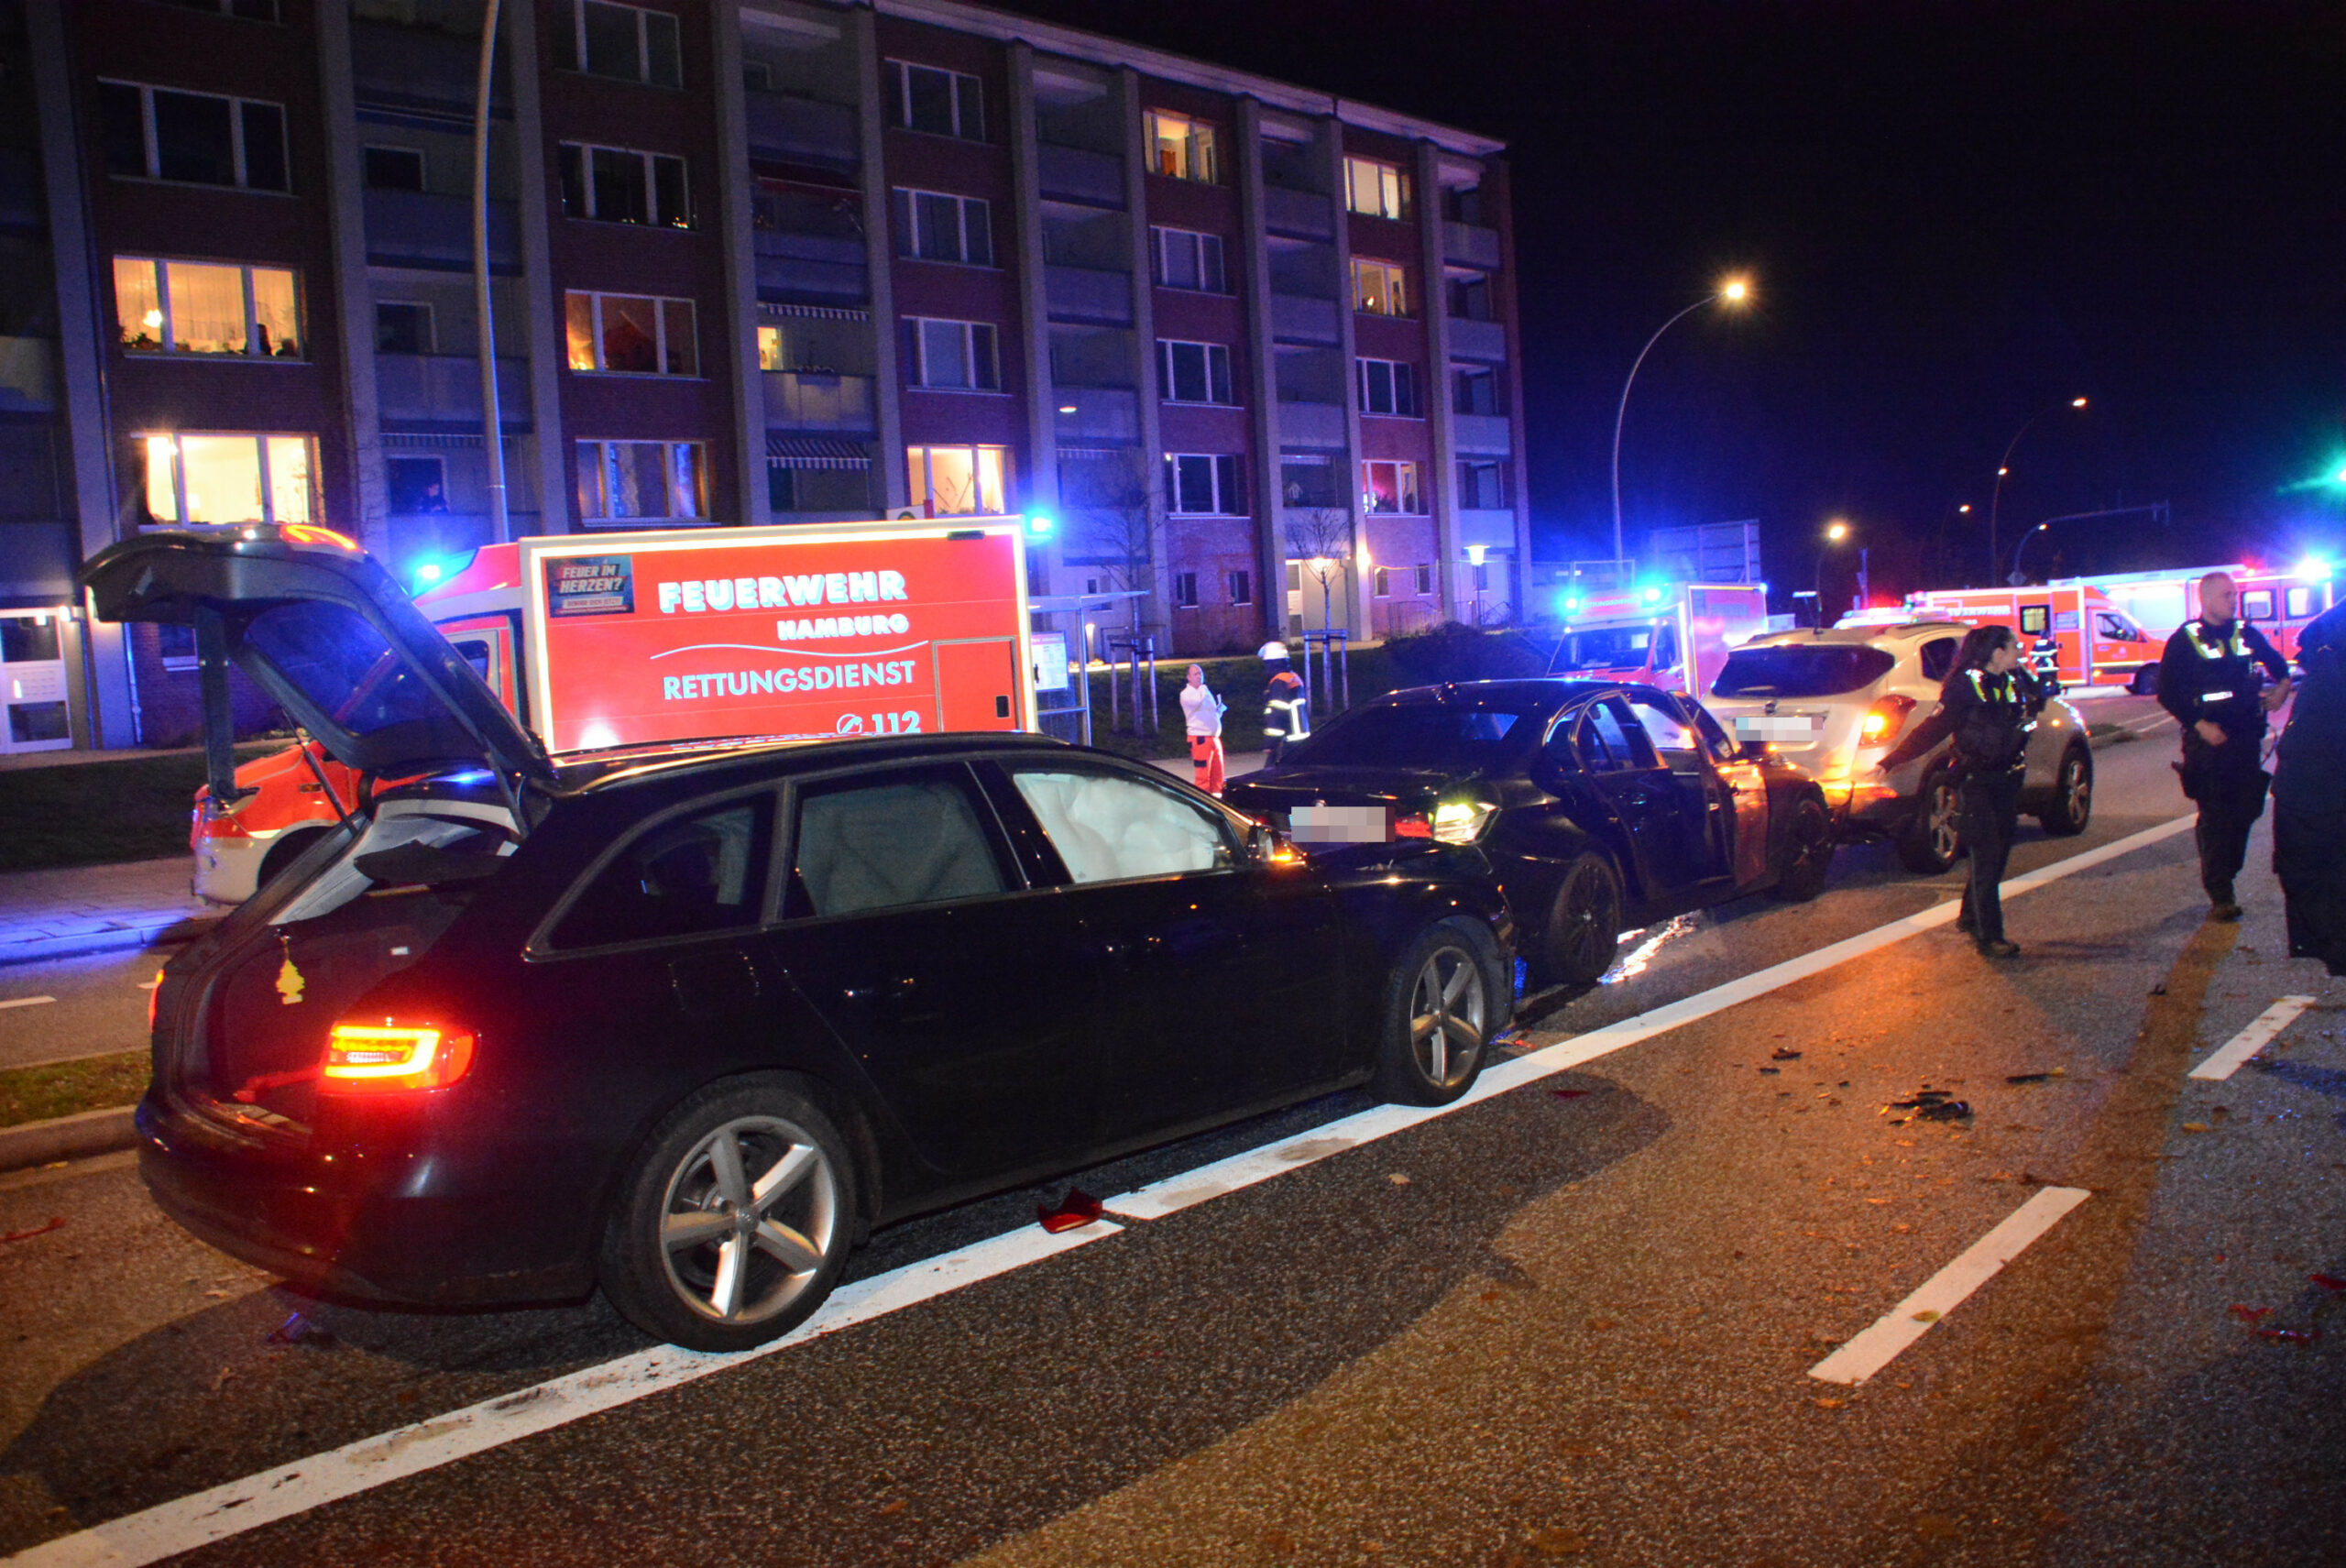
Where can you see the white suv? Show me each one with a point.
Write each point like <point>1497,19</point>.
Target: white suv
<point>1833,702</point>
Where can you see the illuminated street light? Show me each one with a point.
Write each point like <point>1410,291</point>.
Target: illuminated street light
<point>1836,531</point>
<point>1996,497</point>
<point>1734,291</point>
<point>2016,579</point>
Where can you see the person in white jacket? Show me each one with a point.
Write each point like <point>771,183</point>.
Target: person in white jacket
<point>1201,717</point>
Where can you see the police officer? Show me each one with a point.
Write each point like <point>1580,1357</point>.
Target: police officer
<point>1989,703</point>
<point>2208,678</point>
<point>1287,707</point>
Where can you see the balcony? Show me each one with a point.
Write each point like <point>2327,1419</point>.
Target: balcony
<point>1295,319</point>
<point>1083,294</point>
<point>1311,424</point>
<point>1106,415</point>
<point>802,128</point>
<point>420,67</point>
<point>438,389</point>
<point>1491,527</point>
<point>28,377</point>
<point>1298,212</point>
<point>1488,435</point>
<point>1071,174</point>
<point>413,228</point>
<point>815,399</point>
<point>1471,245</point>
<point>810,268</point>
<point>1484,341</point>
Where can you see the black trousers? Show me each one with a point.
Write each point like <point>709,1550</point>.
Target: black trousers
<point>2230,800</point>
<point>1991,806</point>
<point>2309,857</point>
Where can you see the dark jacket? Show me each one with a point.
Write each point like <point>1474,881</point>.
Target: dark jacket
<point>2211,672</point>
<point>1989,715</point>
<point>2309,774</point>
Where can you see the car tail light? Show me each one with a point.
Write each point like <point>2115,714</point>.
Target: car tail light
<point>154,1001</point>
<point>394,1058</point>
<point>1412,827</point>
<point>1882,719</point>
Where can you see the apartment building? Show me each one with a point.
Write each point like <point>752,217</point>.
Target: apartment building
<point>1243,348</point>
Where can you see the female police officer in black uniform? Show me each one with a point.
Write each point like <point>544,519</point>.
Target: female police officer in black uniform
<point>1989,703</point>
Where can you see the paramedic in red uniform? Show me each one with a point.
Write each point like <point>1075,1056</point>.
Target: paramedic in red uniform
<point>2209,679</point>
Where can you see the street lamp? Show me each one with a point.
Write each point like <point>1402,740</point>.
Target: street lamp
<point>2004,466</point>
<point>1834,533</point>
<point>2015,579</point>
<point>1734,291</point>
<point>1474,559</point>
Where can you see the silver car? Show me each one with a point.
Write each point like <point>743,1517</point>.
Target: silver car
<point>1833,702</point>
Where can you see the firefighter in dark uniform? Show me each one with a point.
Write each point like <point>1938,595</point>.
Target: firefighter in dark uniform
<point>2209,679</point>
<point>1287,706</point>
<point>1989,703</point>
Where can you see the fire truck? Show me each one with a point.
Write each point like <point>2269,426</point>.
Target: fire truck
<point>1675,636</point>
<point>597,642</point>
<point>2086,639</point>
<point>2278,603</point>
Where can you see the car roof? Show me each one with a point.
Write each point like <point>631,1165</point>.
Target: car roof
<point>1906,632</point>
<point>776,758</point>
<point>1541,691</point>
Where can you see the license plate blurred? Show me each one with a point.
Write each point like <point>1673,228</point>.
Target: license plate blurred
<point>1771,728</point>
<point>1338,825</point>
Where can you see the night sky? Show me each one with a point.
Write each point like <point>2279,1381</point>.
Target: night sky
<point>1956,215</point>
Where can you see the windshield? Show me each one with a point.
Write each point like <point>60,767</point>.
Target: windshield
<point>337,660</point>
<point>1451,737</point>
<point>1614,648</point>
<point>1815,669</point>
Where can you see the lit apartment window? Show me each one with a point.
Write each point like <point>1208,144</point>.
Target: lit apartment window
<point>1185,590</point>
<point>1384,582</point>
<point>1477,391</point>
<point>230,478</point>
<point>1182,149</point>
<point>1388,386</point>
<point>942,103</point>
<point>1389,487</point>
<point>1193,372</point>
<point>1202,485</point>
<point>1185,259</point>
<point>197,138</point>
<point>626,42</point>
<point>931,227</point>
<point>619,185</point>
<point>1379,288</point>
<point>641,481</point>
<point>401,327</point>
<point>1242,587</point>
<point>201,307</point>
<point>1482,484</point>
<point>391,167</point>
<point>1378,189</point>
<point>632,335</point>
<point>948,355</point>
<point>1425,580</point>
<point>957,481</point>
<point>245,10</point>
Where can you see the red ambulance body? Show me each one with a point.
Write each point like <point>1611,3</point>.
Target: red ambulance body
<point>1675,637</point>
<point>2094,642</point>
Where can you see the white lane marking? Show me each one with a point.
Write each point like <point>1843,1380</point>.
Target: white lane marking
<point>2149,724</point>
<point>186,1523</point>
<point>1945,1291</point>
<point>2259,1034</point>
<point>223,1511</point>
<point>1174,1193</point>
<point>25,1001</point>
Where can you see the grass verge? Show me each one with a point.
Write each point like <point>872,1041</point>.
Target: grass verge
<point>68,1088</point>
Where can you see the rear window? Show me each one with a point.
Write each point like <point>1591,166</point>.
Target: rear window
<point>1823,669</point>
<point>334,657</point>
<point>1449,736</point>
<point>1617,648</point>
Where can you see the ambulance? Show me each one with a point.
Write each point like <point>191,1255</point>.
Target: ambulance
<point>598,642</point>
<point>2087,639</point>
<point>1675,636</point>
<point>2279,604</point>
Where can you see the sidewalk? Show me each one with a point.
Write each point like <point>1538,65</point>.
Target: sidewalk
<point>88,909</point>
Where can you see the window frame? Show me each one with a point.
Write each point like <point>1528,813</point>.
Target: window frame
<point>1238,584</point>
<point>603,475</point>
<point>1392,194</point>
<point>438,460</point>
<point>1161,240</point>
<point>899,90</point>
<point>423,165</point>
<point>540,947</point>
<point>926,498</point>
<point>643,57</point>
<point>1425,579</point>
<point>1225,491</point>
<point>1470,490</point>
<point>1009,768</point>
<point>1200,146</point>
<point>586,152</point>
<point>594,298</point>
<point>917,343</point>
<point>1412,492</point>
<point>164,348</point>
<point>1185,590</point>
<point>261,439</point>
<point>430,325</point>
<point>904,215</point>
<point>1211,355</point>
<point>1016,876</point>
<point>1395,275</point>
<point>238,152</point>
<point>1381,583</point>
<point>1400,387</point>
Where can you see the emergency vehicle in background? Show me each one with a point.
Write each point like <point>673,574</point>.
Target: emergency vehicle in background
<point>1675,636</point>
<point>2279,604</point>
<point>2087,639</point>
<point>803,632</point>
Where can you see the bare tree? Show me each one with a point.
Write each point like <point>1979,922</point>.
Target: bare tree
<point>1116,517</point>
<point>1321,538</point>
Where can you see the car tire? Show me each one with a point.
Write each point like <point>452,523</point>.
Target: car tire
<point>284,852</point>
<point>1932,840</point>
<point>1806,854</point>
<point>692,1252</point>
<point>1442,1007</point>
<point>2145,681</point>
<point>2071,807</point>
<point>1584,930</point>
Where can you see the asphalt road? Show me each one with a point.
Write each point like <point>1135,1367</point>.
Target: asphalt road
<point>1575,1321</point>
<point>63,1008</point>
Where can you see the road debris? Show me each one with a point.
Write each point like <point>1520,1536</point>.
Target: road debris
<point>2290,1336</point>
<point>56,1222</point>
<point>1077,1209</point>
<point>1929,1105</point>
<point>2045,1077</point>
<point>299,1330</point>
<point>2326,1281</point>
<point>1779,1053</point>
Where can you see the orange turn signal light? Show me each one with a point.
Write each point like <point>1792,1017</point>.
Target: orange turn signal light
<point>310,533</point>
<point>387,1058</point>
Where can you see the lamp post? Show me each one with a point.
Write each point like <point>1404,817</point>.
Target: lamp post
<point>2003,467</point>
<point>1734,291</point>
<point>1474,559</point>
<point>2015,579</point>
<point>1834,533</point>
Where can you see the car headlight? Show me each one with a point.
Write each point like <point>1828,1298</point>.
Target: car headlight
<point>1461,821</point>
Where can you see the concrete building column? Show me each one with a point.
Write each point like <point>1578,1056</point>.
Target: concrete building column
<point>1041,487</point>
<point>1363,583</point>
<point>542,311</point>
<point>1151,434</point>
<point>735,192</point>
<point>105,711</point>
<point>1498,188</point>
<point>887,380</point>
<point>1440,486</point>
<point>1263,390</point>
<point>354,290</point>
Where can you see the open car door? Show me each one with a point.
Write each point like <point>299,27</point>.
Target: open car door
<point>327,632</point>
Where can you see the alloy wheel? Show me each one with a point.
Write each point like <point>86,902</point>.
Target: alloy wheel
<point>1449,1011</point>
<point>2076,793</point>
<point>1946,823</point>
<point>748,1216</point>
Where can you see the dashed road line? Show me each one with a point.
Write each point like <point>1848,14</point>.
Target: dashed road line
<point>2232,1053</point>
<point>1942,1292</point>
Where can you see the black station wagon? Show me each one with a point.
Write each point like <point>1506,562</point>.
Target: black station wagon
<point>686,1024</point>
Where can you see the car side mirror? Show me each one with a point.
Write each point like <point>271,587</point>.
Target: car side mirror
<point>1266,845</point>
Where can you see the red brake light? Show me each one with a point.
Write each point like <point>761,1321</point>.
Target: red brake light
<point>391,1057</point>
<point>154,1001</point>
<point>1882,719</point>
<point>1412,827</point>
